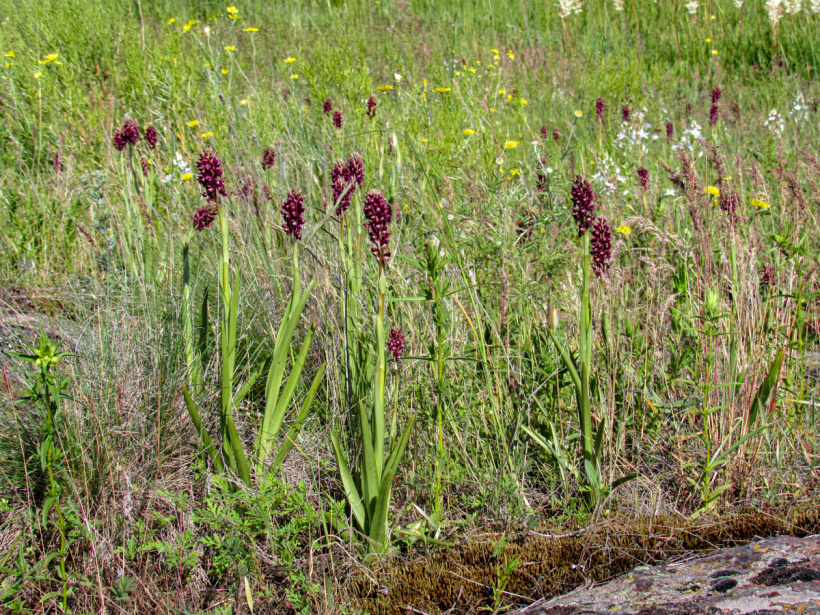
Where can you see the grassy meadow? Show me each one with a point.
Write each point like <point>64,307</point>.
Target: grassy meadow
<point>294,291</point>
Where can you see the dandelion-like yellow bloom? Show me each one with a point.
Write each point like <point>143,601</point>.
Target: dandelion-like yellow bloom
<point>186,176</point>
<point>511,144</point>
<point>511,55</point>
<point>424,140</point>
<point>523,101</point>
<point>514,172</point>
<point>468,131</point>
<point>294,77</point>
<point>250,29</point>
<point>290,60</point>
<point>623,229</point>
<point>472,70</point>
<point>230,48</point>
<point>578,113</point>
<point>205,135</point>
<point>49,58</point>
<point>38,74</point>
<point>172,20</point>
<point>10,54</point>
<point>243,102</point>
<point>509,97</point>
<point>186,27</point>
<point>224,71</point>
<point>441,90</point>
<point>708,40</point>
<point>714,52</point>
<point>728,178</point>
<point>760,204</point>
<point>384,88</point>
<point>193,123</point>
<point>713,190</point>
<point>495,51</point>
<point>502,92</point>
<point>232,10</point>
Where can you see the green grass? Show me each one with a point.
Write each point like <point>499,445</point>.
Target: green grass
<point>684,386</point>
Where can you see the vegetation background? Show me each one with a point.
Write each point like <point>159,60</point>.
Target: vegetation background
<point>682,380</point>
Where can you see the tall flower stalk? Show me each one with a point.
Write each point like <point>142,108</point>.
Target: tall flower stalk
<point>369,496</point>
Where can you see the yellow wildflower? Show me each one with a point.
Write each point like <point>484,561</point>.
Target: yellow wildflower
<point>495,51</point>
<point>708,40</point>
<point>509,97</point>
<point>623,229</point>
<point>49,58</point>
<point>760,204</point>
<point>441,90</point>
<point>468,131</point>
<point>384,88</point>
<point>205,135</point>
<point>727,179</point>
<point>243,102</point>
<point>38,74</point>
<point>713,190</point>
<point>578,113</point>
<point>193,123</point>
<point>511,55</point>
<point>472,70</point>
<point>424,140</point>
<point>172,20</point>
<point>224,71</point>
<point>511,144</point>
<point>10,54</point>
<point>186,176</point>
<point>514,172</point>
<point>294,76</point>
<point>250,29</point>
<point>230,48</point>
<point>714,52</point>
<point>290,60</point>
<point>523,101</point>
<point>232,10</point>
<point>502,92</point>
<point>188,25</point>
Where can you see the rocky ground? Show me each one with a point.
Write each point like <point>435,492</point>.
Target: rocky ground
<point>769,576</point>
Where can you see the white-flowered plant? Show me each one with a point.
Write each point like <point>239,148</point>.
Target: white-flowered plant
<point>692,7</point>
<point>774,8</point>
<point>569,7</point>
<point>775,122</point>
<point>799,110</point>
<point>607,175</point>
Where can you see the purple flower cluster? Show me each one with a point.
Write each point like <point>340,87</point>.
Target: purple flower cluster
<point>767,277</point>
<point>293,213</point>
<point>268,158</point>
<point>379,215</point>
<point>716,94</point>
<point>728,202</point>
<point>625,113</point>
<point>643,177</point>
<point>129,133</point>
<point>371,107</point>
<point>555,135</point>
<point>151,137</point>
<point>599,109</point>
<point>205,216</point>
<point>544,131</point>
<point>337,119</point>
<point>210,176</point>
<point>146,166</point>
<point>328,106</point>
<point>345,177</point>
<point>600,246</point>
<point>583,204</point>
<point>58,163</point>
<point>670,130</point>
<point>395,342</point>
